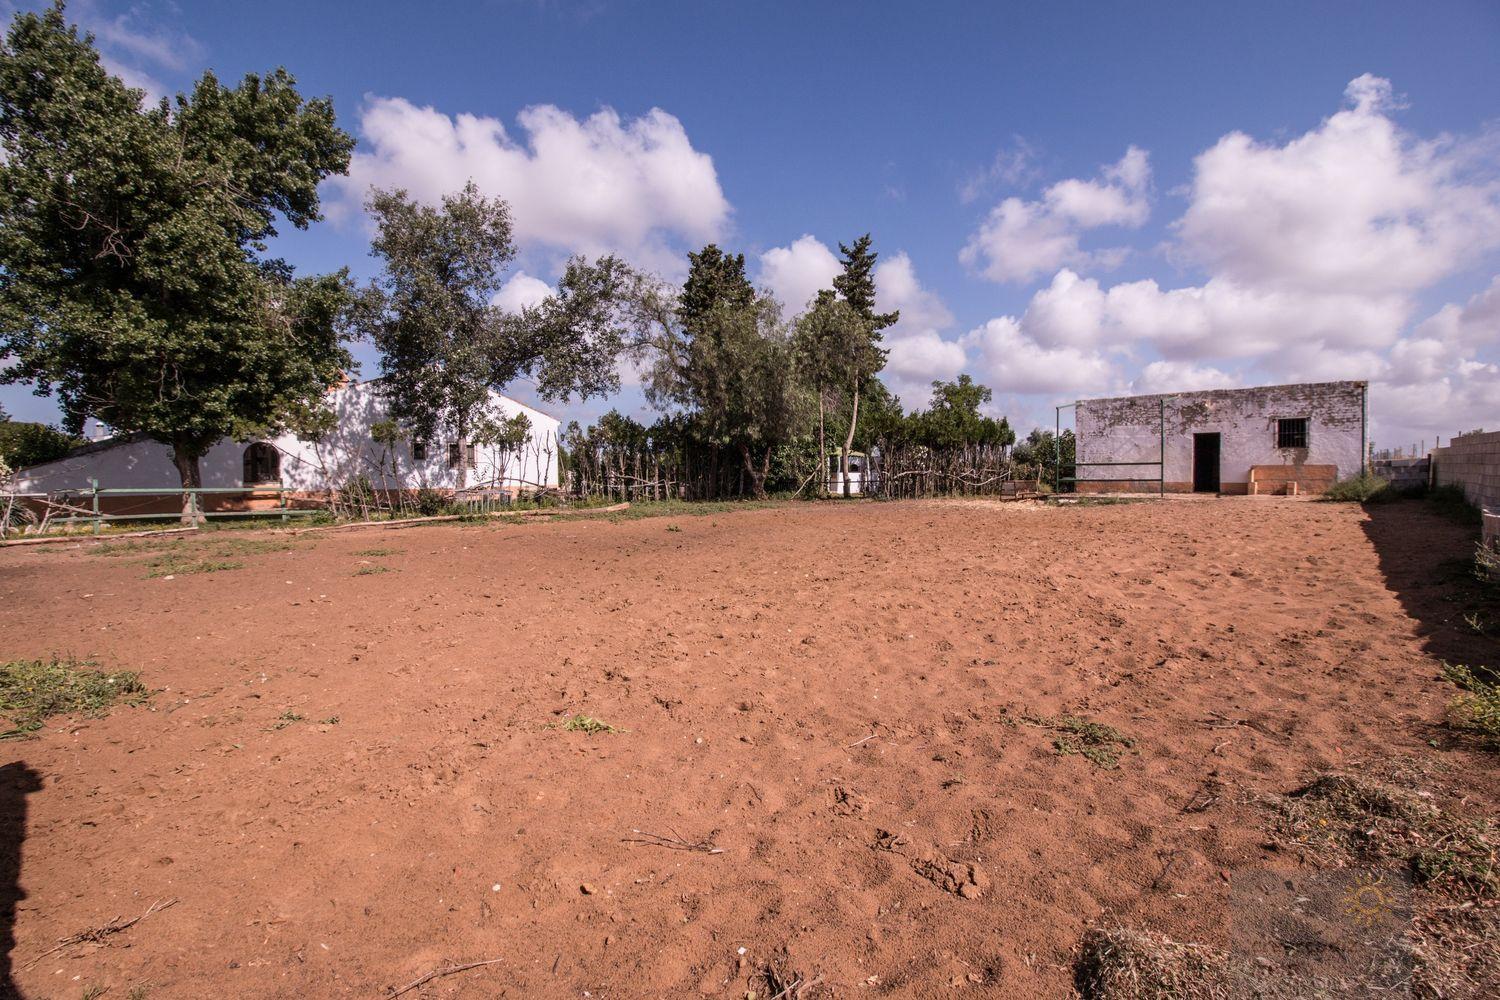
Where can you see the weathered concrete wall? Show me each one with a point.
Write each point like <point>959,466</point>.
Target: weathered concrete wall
<point>346,452</point>
<point>1473,462</point>
<point>1128,429</point>
<point>1403,473</point>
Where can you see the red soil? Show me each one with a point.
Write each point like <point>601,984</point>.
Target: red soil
<point>832,694</point>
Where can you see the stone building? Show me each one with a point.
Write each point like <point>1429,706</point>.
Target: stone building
<point>1267,439</point>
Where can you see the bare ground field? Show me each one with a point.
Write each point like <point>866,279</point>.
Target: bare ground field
<point>356,767</point>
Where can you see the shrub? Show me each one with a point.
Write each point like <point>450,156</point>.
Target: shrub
<point>432,503</point>
<point>1479,707</point>
<point>1362,488</point>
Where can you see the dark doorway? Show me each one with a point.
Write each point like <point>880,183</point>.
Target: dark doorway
<point>1205,463</point>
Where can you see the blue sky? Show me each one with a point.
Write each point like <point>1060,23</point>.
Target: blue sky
<point>1119,236</point>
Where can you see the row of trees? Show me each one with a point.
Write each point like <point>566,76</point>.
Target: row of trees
<point>137,284</point>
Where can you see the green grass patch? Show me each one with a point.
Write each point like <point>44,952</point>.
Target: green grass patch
<point>373,570</point>
<point>691,508</point>
<point>1478,708</point>
<point>1097,743</point>
<point>31,691</point>
<point>178,565</point>
<point>587,724</point>
<point>377,553</point>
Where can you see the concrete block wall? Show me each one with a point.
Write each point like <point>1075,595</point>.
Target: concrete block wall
<point>1473,462</point>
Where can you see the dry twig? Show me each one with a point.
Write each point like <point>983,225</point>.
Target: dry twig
<point>447,970</point>
<point>675,842</point>
<point>97,935</point>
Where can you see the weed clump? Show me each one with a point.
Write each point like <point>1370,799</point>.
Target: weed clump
<point>1362,488</point>
<point>31,691</point>
<point>1478,708</point>
<point>372,570</point>
<point>1097,743</point>
<point>581,723</point>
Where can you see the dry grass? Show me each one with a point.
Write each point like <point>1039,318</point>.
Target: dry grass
<point>1455,938</point>
<point>1123,964</point>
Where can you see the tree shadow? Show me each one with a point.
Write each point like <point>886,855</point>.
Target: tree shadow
<point>17,781</point>
<point>1427,559</point>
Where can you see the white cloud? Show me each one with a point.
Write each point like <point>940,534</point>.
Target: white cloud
<point>795,274</point>
<point>1011,361</point>
<point>897,288</point>
<point>1356,205</point>
<point>128,45</point>
<point>598,184</point>
<point>1474,324</point>
<point>521,291</point>
<point>1180,376</point>
<point>1021,240</point>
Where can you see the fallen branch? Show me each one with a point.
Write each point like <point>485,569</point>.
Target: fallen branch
<point>404,522</point>
<point>674,842</point>
<point>447,970</point>
<point>97,935</point>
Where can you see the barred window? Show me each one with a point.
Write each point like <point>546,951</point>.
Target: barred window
<point>453,451</point>
<point>419,451</point>
<point>262,464</point>
<point>1291,432</point>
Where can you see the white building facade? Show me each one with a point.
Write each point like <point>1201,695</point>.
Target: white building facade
<point>346,452</point>
<point>1268,439</point>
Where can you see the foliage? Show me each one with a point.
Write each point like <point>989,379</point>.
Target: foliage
<point>24,444</point>
<point>31,691</point>
<point>1362,488</point>
<point>433,503</point>
<point>133,275</point>
<point>444,344</point>
<point>1039,452</point>
<point>1478,708</point>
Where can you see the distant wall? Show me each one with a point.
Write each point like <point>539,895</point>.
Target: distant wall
<point>1403,473</point>
<point>1473,462</point>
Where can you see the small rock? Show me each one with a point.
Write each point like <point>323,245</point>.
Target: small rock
<point>586,888</point>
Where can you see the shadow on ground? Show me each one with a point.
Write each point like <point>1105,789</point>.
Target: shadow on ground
<point>1428,563</point>
<point>16,782</point>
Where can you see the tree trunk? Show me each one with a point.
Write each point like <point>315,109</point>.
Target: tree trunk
<point>757,476</point>
<point>849,440</point>
<point>186,460</point>
<point>822,450</point>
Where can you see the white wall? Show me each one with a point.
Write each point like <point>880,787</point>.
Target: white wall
<point>1129,429</point>
<point>344,453</point>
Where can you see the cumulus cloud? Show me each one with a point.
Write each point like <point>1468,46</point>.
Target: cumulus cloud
<point>1356,205</point>
<point>1021,240</point>
<point>1012,361</point>
<point>521,291</point>
<point>592,185</point>
<point>1180,376</point>
<point>795,274</point>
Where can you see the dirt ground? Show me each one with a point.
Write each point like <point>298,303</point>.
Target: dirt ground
<point>835,697</point>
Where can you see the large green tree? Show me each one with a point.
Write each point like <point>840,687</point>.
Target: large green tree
<point>831,337</point>
<point>134,281</point>
<point>444,344</point>
<point>860,358</point>
<point>953,419</point>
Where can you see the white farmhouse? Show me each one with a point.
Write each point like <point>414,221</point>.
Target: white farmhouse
<point>134,461</point>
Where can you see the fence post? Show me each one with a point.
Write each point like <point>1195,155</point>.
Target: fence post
<point>283,505</point>
<point>94,484</point>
